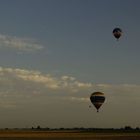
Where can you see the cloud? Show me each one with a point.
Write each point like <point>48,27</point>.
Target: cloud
<point>21,44</point>
<point>79,99</point>
<point>14,78</point>
<point>28,85</point>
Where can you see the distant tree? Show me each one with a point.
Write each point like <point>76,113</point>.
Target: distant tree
<point>128,128</point>
<point>38,127</point>
<point>47,128</point>
<point>61,128</point>
<point>137,128</point>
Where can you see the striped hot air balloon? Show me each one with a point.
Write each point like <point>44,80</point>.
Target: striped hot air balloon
<point>117,32</point>
<point>97,99</point>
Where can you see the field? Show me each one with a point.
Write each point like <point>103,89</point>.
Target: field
<point>66,135</point>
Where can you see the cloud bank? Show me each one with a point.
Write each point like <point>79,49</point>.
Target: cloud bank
<point>19,84</point>
<point>19,43</point>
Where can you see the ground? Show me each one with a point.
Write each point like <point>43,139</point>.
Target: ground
<point>67,135</point>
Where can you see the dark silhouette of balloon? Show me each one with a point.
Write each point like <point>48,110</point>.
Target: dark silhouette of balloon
<point>97,99</point>
<point>117,32</point>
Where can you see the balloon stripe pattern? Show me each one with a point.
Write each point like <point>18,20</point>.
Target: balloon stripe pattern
<point>97,99</point>
<point>117,32</point>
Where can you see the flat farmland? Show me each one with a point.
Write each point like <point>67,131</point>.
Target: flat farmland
<point>66,135</point>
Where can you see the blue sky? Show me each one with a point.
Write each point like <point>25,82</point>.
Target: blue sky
<point>55,53</point>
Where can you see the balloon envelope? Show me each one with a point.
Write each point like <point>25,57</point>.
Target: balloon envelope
<point>117,32</point>
<point>97,99</point>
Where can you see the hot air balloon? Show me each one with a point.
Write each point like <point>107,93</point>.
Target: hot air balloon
<point>117,32</point>
<point>97,99</point>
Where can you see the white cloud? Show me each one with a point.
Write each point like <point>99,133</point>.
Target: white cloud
<point>11,76</point>
<point>14,77</point>
<point>19,43</point>
<point>80,99</point>
<point>22,85</point>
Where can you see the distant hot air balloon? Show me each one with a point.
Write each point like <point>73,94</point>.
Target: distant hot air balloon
<point>97,99</point>
<point>117,32</point>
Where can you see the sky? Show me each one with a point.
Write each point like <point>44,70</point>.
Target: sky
<point>55,53</point>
